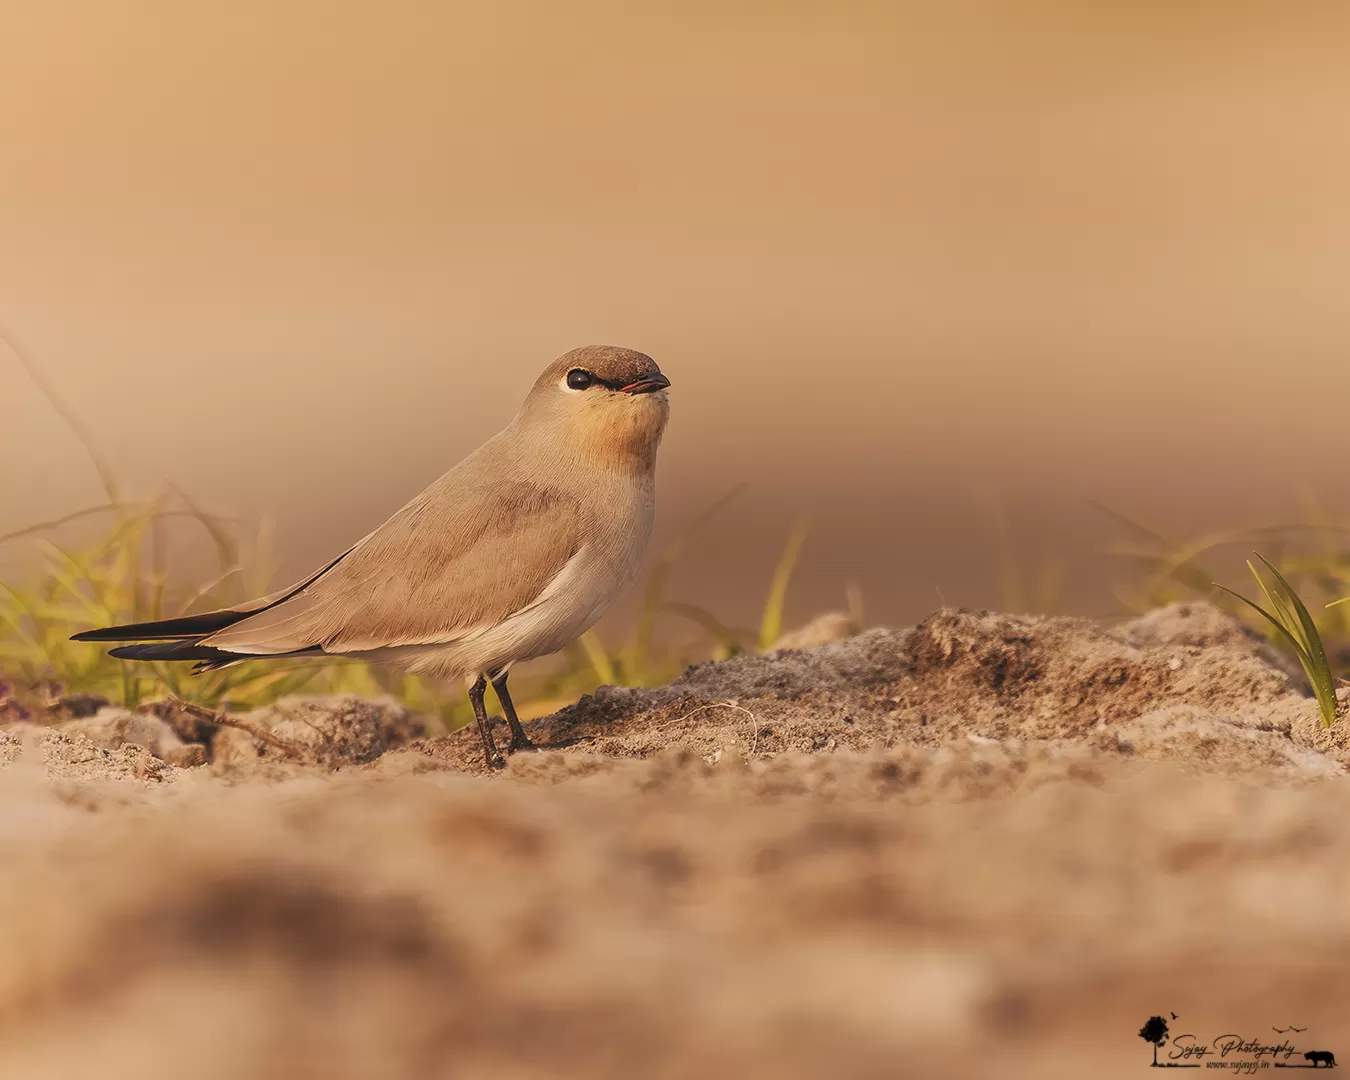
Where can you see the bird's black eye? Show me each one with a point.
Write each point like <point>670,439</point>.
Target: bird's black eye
<point>577,379</point>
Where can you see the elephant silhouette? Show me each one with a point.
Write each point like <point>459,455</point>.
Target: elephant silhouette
<point>1317,1057</point>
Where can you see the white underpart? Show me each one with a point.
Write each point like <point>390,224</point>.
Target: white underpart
<point>569,605</point>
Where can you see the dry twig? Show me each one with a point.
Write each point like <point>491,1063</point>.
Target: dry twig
<point>212,716</point>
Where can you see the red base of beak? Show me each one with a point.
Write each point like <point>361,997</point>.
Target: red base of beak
<point>647,385</point>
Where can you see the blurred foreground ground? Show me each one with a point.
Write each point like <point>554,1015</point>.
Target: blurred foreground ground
<point>988,846</point>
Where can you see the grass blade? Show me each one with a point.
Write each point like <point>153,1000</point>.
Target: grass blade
<point>1291,619</point>
<point>67,415</point>
<point>1324,683</point>
<point>771,626</point>
<point>599,658</point>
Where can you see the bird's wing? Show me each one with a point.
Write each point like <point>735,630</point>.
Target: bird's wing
<point>451,562</point>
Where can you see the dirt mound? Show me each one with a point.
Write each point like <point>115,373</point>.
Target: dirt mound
<point>1188,684</point>
<point>295,733</point>
<point>328,732</point>
<point>61,755</point>
<point>988,846</point>
<point>111,728</point>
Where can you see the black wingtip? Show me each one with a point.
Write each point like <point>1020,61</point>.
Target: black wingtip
<point>194,626</point>
<point>208,658</point>
<point>165,629</point>
<point>175,650</point>
<point>89,635</point>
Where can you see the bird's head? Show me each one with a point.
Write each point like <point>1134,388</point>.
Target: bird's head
<point>603,402</point>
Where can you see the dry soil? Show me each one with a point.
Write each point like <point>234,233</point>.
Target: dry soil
<point>987,846</point>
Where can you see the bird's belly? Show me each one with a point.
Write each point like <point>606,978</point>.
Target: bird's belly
<point>544,628</point>
<point>538,632</point>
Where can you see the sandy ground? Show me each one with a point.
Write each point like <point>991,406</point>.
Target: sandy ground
<point>987,846</point>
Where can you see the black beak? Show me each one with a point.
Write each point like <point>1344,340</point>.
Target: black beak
<point>648,384</point>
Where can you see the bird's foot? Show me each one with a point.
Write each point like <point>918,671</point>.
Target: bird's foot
<point>520,742</point>
<point>492,756</point>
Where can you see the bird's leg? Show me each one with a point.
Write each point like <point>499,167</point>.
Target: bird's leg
<point>476,692</point>
<point>519,740</point>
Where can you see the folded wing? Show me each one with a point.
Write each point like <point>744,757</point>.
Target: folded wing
<point>448,564</point>
<point>433,573</point>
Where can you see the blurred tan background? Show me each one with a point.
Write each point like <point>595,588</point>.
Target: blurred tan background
<point>934,274</point>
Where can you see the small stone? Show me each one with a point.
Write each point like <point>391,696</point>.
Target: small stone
<point>822,630</point>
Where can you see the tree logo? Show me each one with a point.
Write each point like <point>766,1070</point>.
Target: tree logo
<point>1155,1032</point>
<point>1232,1051</point>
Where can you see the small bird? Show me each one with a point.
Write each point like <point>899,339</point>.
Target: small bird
<point>512,554</point>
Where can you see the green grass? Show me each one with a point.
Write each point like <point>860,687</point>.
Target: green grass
<point>771,625</point>
<point>1290,618</point>
<point>121,576</point>
<point>1309,564</point>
